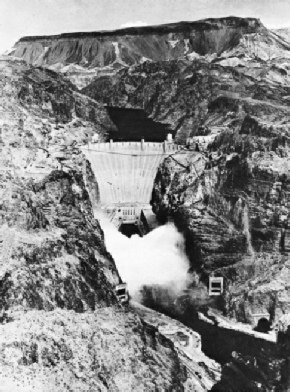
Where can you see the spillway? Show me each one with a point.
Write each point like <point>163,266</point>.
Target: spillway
<point>125,173</point>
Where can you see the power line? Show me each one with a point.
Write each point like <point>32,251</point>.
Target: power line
<point>132,154</point>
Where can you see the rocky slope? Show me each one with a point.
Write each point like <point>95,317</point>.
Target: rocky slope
<point>62,327</point>
<point>228,97</point>
<point>231,200</point>
<point>105,350</point>
<point>285,33</point>
<point>198,97</point>
<point>232,204</point>
<point>83,56</point>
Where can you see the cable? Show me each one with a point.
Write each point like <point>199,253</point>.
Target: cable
<point>132,154</point>
<point>185,167</point>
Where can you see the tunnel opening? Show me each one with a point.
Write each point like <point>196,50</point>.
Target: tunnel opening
<point>134,125</point>
<point>263,325</point>
<point>129,229</point>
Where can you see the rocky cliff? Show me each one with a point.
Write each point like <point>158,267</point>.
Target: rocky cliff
<point>62,326</point>
<point>198,97</point>
<point>231,197</point>
<point>83,56</point>
<point>284,33</point>
<point>223,88</point>
<point>232,204</point>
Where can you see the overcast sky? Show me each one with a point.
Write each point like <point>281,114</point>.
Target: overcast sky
<point>40,17</point>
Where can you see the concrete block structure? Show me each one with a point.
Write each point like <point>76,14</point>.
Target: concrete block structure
<point>257,316</point>
<point>215,285</point>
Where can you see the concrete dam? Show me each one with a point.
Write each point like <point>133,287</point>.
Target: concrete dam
<point>125,172</point>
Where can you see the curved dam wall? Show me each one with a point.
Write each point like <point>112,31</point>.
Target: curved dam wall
<point>125,171</point>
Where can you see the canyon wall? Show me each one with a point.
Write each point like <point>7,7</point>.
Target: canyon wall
<point>134,45</point>
<point>198,98</point>
<point>62,325</point>
<point>222,86</point>
<point>232,205</point>
<point>88,55</point>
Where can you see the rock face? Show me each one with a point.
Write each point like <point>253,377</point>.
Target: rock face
<point>38,103</point>
<point>199,98</point>
<point>231,197</point>
<point>203,373</point>
<point>233,211</point>
<point>49,230</point>
<point>62,326</point>
<point>97,48</point>
<point>83,56</point>
<point>67,351</point>
<point>222,86</point>
<point>285,33</point>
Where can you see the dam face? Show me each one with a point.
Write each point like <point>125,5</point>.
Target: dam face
<point>125,172</point>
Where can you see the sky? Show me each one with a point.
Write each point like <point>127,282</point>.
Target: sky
<point>20,18</point>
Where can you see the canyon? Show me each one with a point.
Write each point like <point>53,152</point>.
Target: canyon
<point>221,88</point>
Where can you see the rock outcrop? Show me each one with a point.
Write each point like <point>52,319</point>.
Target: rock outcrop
<point>62,325</point>
<point>231,197</point>
<point>222,86</point>
<point>66,351</point>
<point>232,207</point>
<point>83,56</point>
<point>199,98</point>
<point>285,33</point>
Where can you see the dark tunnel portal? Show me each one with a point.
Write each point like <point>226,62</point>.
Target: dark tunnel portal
<point>129,229</point>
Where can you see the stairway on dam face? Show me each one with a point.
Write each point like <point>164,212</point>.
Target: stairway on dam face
<point>125,172</point>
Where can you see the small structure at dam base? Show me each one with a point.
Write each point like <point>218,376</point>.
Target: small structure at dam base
<point>139,215</point>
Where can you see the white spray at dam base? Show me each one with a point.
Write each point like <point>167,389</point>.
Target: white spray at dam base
<point>158,258</point>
